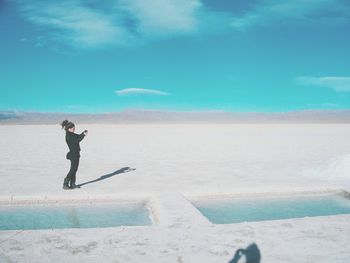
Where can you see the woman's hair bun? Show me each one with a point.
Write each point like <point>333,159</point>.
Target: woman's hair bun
<point>64,123</point>
<point>67,125</point>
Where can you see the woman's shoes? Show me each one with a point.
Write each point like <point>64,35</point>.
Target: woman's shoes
<point>65,184</point>
<point>67,187</point>
<point>73,186</point>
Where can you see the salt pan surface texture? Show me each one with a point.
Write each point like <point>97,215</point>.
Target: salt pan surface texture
<point>238,210</point>
<point>50,216</point>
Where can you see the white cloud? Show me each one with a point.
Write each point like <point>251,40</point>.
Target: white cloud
<point>340,84</point>
<point>164,17</point>
<point>95,24</point>
<point>114,22</point>
<point>138,91</point>
<point>73,23</point>
<point>269,11</point>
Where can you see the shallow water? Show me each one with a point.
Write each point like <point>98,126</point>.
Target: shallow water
<point>238,210</point>
<point>72,216</point>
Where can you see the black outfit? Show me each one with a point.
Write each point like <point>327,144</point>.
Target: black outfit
<point>73,155</point>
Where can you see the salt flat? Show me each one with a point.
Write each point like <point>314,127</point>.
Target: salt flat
<point>169,165</point>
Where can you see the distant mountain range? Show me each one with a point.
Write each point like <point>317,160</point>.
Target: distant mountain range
<point>154,116</point>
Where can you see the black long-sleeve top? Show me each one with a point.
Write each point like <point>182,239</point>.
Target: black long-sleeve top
<point>73,140</point>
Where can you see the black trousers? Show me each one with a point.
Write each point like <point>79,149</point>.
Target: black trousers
<point>71,176</point>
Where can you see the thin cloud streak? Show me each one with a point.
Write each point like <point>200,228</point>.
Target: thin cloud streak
<point>339,84</point>
<point>139,91</point>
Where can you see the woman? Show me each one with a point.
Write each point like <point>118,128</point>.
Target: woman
<point>73,155</point>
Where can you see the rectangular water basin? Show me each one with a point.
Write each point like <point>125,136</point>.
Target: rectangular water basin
<point>236,210</point>
<point>78,215</point>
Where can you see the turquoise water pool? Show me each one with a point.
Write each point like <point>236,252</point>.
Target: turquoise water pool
<point>15,217</point>
<point>236,210</point>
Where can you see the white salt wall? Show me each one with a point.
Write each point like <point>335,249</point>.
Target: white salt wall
<point>335,171</point>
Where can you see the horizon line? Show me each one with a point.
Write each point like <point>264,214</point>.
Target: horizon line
<point>173,111</point>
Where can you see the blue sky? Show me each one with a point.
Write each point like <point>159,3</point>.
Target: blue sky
<point>182,55</point>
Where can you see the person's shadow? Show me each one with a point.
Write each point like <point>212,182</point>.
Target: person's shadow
<point>251,253</point>
<point>103,177</point>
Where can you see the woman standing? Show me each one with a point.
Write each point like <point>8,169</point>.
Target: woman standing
<point>73,155</point>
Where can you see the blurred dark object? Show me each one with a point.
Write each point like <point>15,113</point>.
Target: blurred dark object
<point>252,254</point>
